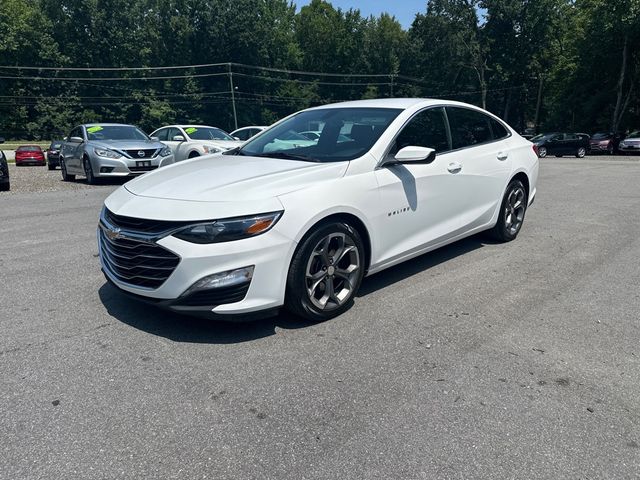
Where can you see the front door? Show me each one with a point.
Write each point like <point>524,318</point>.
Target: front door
<point>418,200</point>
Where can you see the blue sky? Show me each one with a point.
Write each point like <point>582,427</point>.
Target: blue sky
<point>403,10</point>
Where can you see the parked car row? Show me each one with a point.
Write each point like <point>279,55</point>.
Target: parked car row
<point>580,144</point>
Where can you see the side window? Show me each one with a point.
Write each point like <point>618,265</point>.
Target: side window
<point>76,132</point>
<point>427,129</point>
<point>162,134</point>
<point>468,127</point>
<point>172,132</point>
<point>243,134</point>
<point>571,136</point>
<point>499,131</point>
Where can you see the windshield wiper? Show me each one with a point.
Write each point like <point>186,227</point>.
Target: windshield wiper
<point>287,156</point>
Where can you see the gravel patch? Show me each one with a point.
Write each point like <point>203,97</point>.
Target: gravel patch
<point>41,179</point>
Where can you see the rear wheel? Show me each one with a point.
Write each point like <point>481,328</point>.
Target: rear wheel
<point>51,167</point>
<point>326,272</point>
<point>512,210</point>
<point>5,187</point>
<point>88,172</point>
<point>542,152</point>
<point>610,149</point>
<point>581,152</point>
<point>63,169</point>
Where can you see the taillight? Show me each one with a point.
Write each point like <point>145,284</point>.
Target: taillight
<point>535,149</point>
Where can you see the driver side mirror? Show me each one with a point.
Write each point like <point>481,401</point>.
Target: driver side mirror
<point>178,138</point>
<point>155,139</point>
<point>76,140</point>
<point>415,155</point>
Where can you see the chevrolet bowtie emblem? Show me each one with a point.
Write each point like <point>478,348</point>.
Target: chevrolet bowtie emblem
<point>113,233</point>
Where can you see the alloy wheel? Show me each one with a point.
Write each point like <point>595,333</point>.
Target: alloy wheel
<point>514,210</point>
<point>542,152</point>
<point>332,271</point>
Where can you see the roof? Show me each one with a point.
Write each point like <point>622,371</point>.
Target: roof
<point>402,103</point>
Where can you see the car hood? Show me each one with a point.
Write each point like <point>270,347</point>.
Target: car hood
<point>126,144</point>
<point>227,178</point>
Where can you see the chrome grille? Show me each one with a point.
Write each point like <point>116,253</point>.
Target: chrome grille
<point>136,263</point>
<point>129,252</point>
<point>148,153</point>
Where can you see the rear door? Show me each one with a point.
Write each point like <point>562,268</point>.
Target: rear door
<point>481,164</point>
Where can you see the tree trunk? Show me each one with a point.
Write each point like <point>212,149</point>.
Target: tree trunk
<point>536,121</point>
<point>615,120</point>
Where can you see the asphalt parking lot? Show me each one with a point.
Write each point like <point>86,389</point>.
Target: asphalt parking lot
<point>477,361</point>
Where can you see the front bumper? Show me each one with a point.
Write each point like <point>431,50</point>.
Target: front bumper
<point>629,148</point>
<point>269,253</point>
<point>126,167</point>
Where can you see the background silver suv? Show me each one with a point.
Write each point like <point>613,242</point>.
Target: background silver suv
<point>110,150</point>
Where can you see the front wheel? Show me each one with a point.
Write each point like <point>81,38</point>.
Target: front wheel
<point>512,210</point>
<point>581,152</point>
<point>326,272</point>
<point>63,169</point>
<point>542,152</point>
<point>88,172</point>
<point>51,167</point>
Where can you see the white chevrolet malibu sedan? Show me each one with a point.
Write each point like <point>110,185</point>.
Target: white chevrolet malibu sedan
<point>274,224</point>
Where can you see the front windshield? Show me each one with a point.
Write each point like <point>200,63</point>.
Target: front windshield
<point>635,134</point>
<point>207,133</point>
<point>115,132</point>
<point>343,134</point>
<point>601,136</point>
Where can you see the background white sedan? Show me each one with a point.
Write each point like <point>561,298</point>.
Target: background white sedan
<point>190,141</point>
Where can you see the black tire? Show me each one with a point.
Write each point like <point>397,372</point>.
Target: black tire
<point>505,230</point>
<point>51,167</point>
<point>542,152</point>
<point>65,176</point>
<point>88,171</point>
<point>5,187</point>
<point>194,155</point>
<point>581,152</point>
<point>610,149</point>
<point>313,273</point>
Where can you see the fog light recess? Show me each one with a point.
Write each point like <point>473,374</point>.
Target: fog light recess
<point>226,279</point>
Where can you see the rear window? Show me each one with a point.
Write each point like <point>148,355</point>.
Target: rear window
<point>468,127</point>
<point>55,145</point>
<point>29,148</point>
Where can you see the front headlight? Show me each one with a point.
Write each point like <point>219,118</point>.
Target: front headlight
<point>106,153</point>
<point>210,149</point>
<point>165,152</point>
<point>229,229</point>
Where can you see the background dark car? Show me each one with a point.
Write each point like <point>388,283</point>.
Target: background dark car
<point>53,154</point>
<point>560,144</point>
<point>605,142</point>
<point>5,184</point>
<point>30,155</point>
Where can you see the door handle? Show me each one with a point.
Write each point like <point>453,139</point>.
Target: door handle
<point>502,156</point>
<point>454,167</point>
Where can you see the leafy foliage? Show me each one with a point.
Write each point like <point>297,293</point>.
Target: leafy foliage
<point>549,64</point>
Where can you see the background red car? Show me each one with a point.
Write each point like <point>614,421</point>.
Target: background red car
<point>30,155</point>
